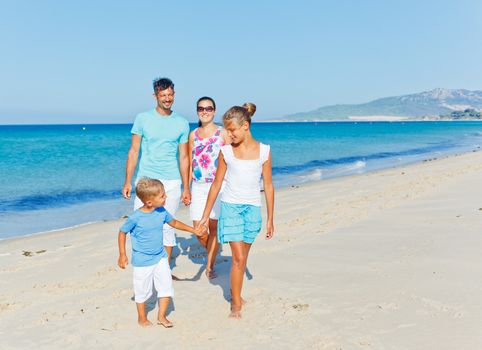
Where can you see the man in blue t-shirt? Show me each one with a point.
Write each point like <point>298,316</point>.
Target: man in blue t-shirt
<point>159,136</point>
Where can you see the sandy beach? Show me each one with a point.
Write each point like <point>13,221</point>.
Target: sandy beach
<point>384,260</point>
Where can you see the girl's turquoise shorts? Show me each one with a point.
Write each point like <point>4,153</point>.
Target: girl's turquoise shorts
<point>238,222</point>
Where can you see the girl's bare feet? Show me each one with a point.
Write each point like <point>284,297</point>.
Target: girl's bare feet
<point>144,323</point>
<point>243,302</point>
<point>165,323</point>
<point>235,311</point>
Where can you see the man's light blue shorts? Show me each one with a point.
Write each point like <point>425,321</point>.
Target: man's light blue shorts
<point>238,222</point>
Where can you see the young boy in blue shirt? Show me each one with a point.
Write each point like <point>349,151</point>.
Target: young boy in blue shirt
<point>149,258</point>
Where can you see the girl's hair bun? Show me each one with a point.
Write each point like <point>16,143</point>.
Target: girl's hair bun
<point>250,107</point>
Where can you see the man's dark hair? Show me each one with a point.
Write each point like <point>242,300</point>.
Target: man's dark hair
<point>161,84</point>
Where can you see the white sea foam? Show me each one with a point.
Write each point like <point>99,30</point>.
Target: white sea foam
<point>312,175</point>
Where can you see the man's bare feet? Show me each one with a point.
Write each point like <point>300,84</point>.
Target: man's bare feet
<point>175,278</point>
<point>144,323</point>
<point>165,323</point>
<point>210,274</point>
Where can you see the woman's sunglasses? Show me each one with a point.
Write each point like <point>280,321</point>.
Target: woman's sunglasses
<point>207,109</point>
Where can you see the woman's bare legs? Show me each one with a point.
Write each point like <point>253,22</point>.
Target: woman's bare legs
<point>212,248</point>
<point>210,242</point>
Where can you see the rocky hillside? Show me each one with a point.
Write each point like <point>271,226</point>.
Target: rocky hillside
<point>427,104</point>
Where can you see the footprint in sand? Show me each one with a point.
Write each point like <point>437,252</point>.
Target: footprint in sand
<point>326,343</point>
<point>10,307</point>
<point>300,307</point>
<point>388,306</point>
<point>10,270</point>
<point>106,271</point>
<point>220,261</point>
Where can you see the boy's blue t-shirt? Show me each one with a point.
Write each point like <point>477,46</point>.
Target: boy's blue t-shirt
<point>161,136</point>
<point>146,236</point>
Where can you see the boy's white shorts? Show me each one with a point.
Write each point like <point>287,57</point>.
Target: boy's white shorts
<point>173,193</point>
<point>199,196</point>
<point>158,275</point>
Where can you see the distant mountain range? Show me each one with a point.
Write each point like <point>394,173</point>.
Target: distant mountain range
<point>425,105</point>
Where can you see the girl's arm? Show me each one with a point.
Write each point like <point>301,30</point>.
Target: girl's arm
<point>199,231</point>
<point>214,190</point>
<point>269,194</point>
<point>123,260</point>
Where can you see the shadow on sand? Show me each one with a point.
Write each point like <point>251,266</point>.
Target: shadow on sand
<point>197,254</point>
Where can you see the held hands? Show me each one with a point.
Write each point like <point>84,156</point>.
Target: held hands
<point>200,230</point>
<point>186,197</point>
<point>202,226</point>
<point>270,230</point>
<point>126,190</point>
<point>122,261</point>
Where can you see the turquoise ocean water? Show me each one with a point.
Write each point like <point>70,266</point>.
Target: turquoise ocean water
<point>58,176</point>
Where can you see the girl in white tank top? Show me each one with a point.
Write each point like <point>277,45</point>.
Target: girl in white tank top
<point>241,165</point>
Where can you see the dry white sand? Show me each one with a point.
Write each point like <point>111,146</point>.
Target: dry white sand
<point>386,260</point>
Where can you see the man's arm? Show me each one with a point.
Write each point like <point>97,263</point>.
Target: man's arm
<point>184,169</point>
<point>132,158</point>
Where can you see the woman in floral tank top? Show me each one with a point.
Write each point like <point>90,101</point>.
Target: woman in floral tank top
<point>205,143</point>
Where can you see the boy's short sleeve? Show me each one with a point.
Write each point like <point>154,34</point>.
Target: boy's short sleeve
<point>138,125</point>
<point>128,226</point>
<point>168,217</point>
<point>184,133</point>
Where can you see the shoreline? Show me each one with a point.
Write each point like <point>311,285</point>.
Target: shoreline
<point>183,210</point>
<point>366,120</point>
<point>286,186</point>
<point>363,119</point>
<point>384,259</point>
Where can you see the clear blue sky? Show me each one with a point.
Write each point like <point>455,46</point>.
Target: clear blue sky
<point>94,61</point>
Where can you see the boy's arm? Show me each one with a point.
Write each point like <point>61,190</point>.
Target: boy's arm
<point>269,194</point>
<point>200,231</point>
<point>123,260</point>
